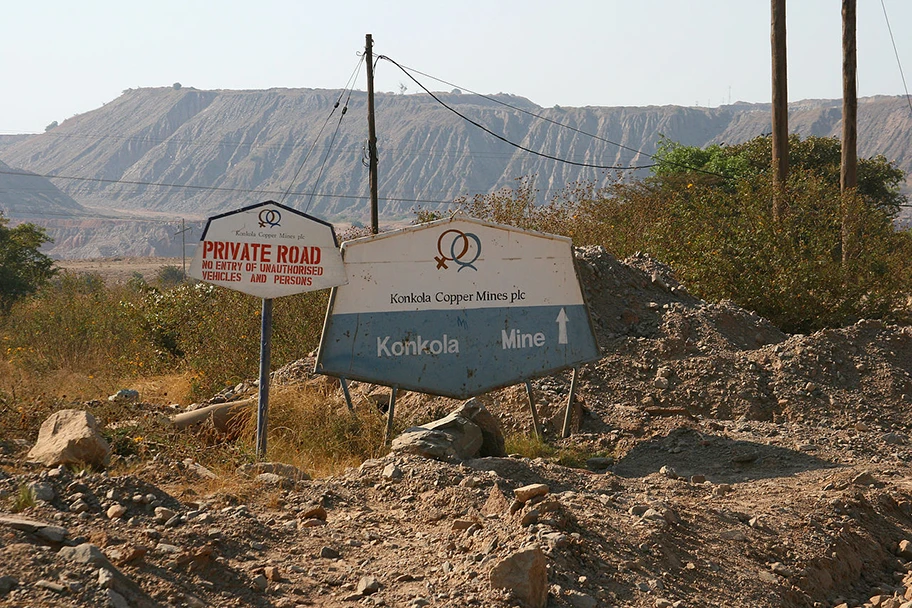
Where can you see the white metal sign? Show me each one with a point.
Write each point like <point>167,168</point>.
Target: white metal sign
<point>456,307</point>
<point>268,250</point>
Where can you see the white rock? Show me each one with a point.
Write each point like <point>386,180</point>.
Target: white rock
<point>116,511</point>
<point>525,574</point>
<point>70,437</point>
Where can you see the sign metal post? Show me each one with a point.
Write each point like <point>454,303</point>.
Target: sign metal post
<point>265,354</point>
<point>268,250</point>
<point>456,307</point>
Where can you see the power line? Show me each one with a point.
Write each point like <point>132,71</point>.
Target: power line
<point>896,52</point>
<point>161,140</point>
<point>454,153</point>
<point>332,140</point>
<point>501,137</point>
<point>544,118</point>
<point>518,109</point>
<point>351,81</point>
<point>220,188</point>
<point>7,213</point>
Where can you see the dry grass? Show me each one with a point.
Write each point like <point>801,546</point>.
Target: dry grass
<point>530,446</point>
<point>315,431</point>
<point>27,398</point>
<point>169,388</point>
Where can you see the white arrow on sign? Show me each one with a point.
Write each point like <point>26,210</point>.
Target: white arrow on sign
<point>562,327</point>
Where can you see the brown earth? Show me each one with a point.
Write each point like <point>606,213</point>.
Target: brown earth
<point>745,467</point>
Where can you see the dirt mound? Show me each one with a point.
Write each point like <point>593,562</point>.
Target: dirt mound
<point>738,466</point>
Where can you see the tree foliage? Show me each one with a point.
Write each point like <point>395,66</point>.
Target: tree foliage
<point>724,244</point>
<point>23,268</point>
<point>879,180</point>
<point>716,230</point>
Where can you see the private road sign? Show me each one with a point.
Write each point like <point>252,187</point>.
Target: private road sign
<point>456,307</point>
<point>268,250</point>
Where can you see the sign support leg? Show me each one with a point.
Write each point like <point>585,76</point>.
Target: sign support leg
<point>348,398</point>
<point>535,422</point>
<point>265,348</point>
<point>565,431</point>
<point>388,436</point>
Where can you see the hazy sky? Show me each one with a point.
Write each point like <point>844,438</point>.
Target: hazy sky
<point>59,58</point>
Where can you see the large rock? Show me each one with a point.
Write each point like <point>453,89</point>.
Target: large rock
<point>441,445</point>
<point>525,573</point>
<point>70,437</point>
<point>492,437</point>
<point>468,432</point>
<point>117,581</point>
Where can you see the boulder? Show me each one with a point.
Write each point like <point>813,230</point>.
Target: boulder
<point>276,468</point>
<point>492,437</point>
<point>439,445</point>
<point>524,573</point>
<point>468,432</point>
<point>70,437</point>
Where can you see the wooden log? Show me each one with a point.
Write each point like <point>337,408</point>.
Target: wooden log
<point>220,414</point>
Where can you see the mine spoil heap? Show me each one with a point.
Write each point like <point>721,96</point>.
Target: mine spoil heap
<point>738,466</point>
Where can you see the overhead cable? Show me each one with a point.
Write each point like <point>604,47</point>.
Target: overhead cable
<point>218,188</point>
<point>332,140</point>
<point>546,119</point>
<point>350,83</point>
<point>501,137</point>
<point>896,52</point>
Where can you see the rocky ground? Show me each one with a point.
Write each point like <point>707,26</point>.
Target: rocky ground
<point>738,466</point>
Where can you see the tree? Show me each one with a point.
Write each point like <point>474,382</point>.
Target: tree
<point>23,269</point>
<point>715,228</point>
<point>170,276</point>
<point>879,180</point>
<point>53,125</point>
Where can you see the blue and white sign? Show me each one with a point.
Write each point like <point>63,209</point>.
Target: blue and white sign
<point>456,307</point>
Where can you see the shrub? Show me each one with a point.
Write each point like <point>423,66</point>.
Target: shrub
<point>78,324</point>
<point>723,244</point>
<point>170,276</point>
<point>216,331</point>
<point>23,269</point>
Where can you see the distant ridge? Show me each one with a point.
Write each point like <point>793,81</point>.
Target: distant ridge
<point>27,196</point>
<point>238,147</point>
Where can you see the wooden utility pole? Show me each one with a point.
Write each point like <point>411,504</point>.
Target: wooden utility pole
<point>372,131</point>
<point>780,108</point>
<point>848,169</point>
<point>183,233</point>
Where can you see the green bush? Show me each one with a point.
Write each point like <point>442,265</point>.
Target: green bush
<point>722,242</point>
<point>215,332</point>
<point>170,276</point>
<point>724,245</point>
<point>23,269</point>
<point>77,323</point>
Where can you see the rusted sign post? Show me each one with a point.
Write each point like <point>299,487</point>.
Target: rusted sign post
<point>456,307</point>
<point>268,250</point>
